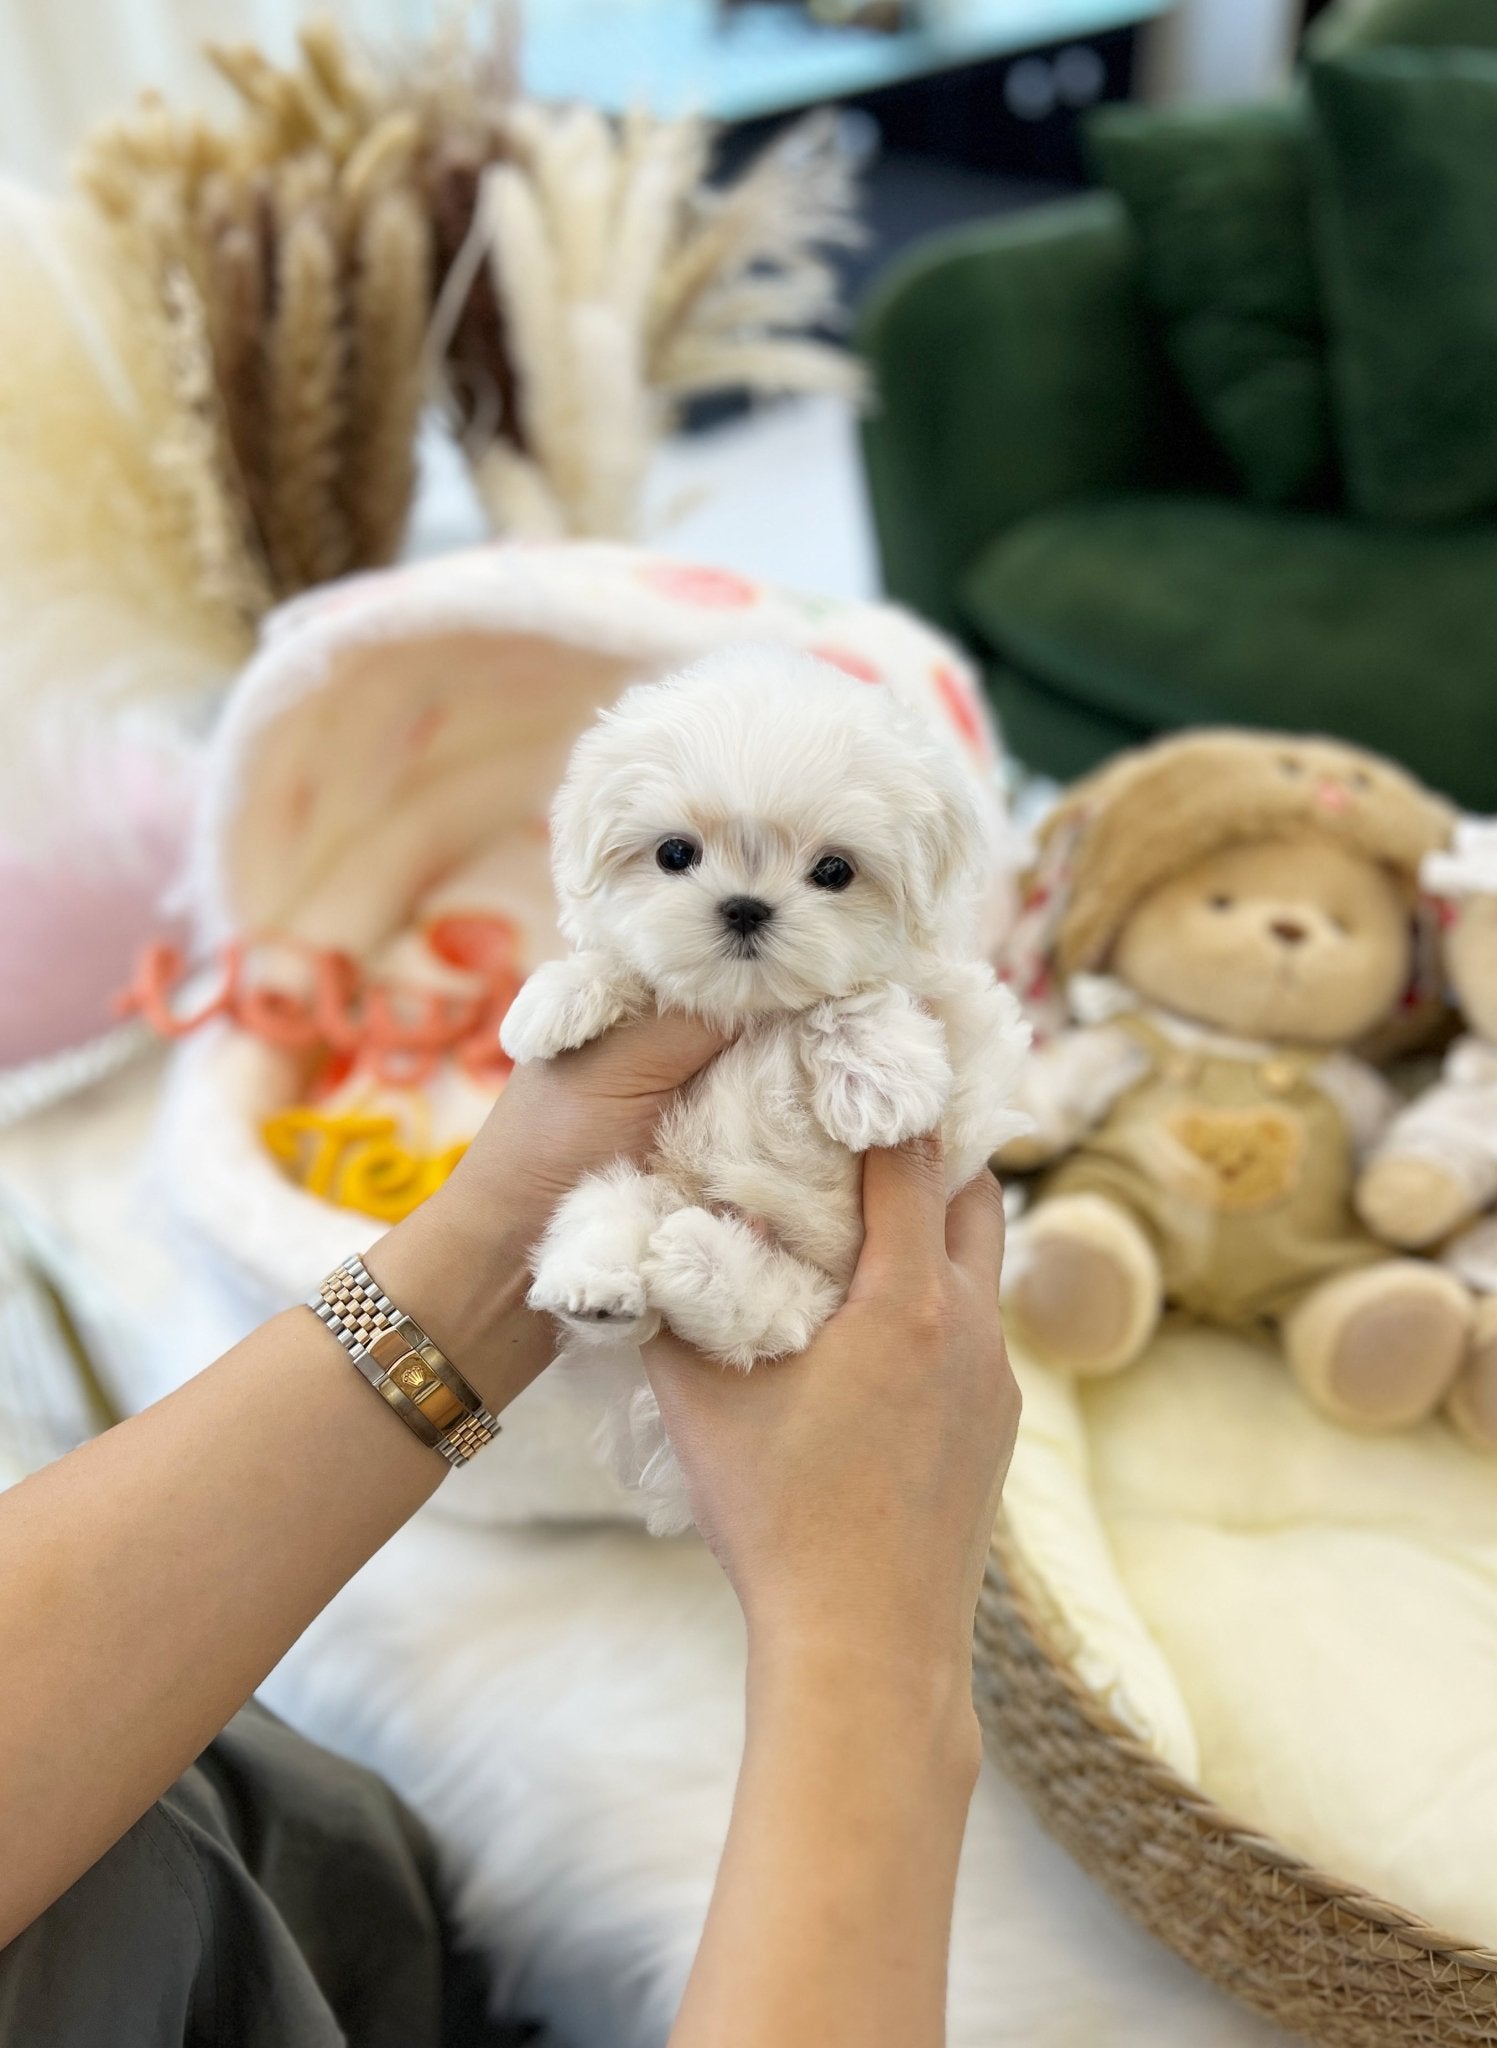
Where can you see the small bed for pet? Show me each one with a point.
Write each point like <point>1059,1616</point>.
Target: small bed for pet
<point>1323,1957</point>
<point>1107,1687</point>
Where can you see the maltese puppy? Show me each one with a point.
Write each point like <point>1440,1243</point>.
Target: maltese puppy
<point>796,856</point>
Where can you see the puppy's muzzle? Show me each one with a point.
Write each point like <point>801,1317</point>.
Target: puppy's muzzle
<point>745,917</point>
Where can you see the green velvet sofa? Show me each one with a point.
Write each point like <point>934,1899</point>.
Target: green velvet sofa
<point>1043,488</point>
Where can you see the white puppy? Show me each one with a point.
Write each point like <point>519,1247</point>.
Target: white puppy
<point>767,843</point>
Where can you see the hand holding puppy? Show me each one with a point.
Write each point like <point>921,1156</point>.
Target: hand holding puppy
<point>904,1400</point>
<point>762,843</point>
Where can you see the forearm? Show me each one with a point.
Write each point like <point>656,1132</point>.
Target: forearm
<point>150,1580</point>
<point>831,1915</point>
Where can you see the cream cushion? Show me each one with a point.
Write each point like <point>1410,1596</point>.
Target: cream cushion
<point>1300,1620</point>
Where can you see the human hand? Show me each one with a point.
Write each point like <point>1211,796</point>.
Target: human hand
<point>850,1493</point>
<point>560,1118</point>
<point>459,1263</point>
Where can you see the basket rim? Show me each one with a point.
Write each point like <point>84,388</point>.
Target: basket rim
<point>1010,1577</point>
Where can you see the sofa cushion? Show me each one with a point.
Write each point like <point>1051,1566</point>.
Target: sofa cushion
<point>1167,610</point>
<point>1220,200</point>
<point>1425,22</point>
<point>1406,215</point>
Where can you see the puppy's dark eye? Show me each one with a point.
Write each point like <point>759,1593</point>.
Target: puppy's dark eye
<point>1221,903</point>
<point>832,872</point>
<point>677,855</point>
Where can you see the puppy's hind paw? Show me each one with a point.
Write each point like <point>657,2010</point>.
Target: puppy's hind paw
<point>723,1289</point>
<point>593,1301</point>
<point>699,1273</point>
<point>803,1299</point>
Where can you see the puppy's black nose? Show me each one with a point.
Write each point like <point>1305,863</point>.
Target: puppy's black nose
<point>1288,931</point>
<point>745,914</point>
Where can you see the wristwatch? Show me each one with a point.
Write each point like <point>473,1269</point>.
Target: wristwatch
<point>402,1364</point>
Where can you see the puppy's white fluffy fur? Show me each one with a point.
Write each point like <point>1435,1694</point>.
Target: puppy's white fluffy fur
<point>863,1013</point>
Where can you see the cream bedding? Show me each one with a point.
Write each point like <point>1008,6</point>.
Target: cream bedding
<point>1302,1621</point>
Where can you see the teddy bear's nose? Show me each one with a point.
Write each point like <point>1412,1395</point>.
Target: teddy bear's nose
<point>1288,931</point>
<point>745,914</point>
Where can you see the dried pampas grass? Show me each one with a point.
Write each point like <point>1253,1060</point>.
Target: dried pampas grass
<point>214,362</point>
<point>367,232</point>
<point>307,415</point>
<point>296,242</point>
<point>626,284</point>
<point>391,295</point>
<point>104,604</point>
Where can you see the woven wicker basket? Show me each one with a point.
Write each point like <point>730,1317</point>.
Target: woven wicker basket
<point>1320,1956</point>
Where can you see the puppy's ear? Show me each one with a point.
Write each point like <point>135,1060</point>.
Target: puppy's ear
<point>947,849</point>
<point>590,816</point>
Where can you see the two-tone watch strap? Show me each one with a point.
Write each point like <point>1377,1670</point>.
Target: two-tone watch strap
<point>402,1364</point>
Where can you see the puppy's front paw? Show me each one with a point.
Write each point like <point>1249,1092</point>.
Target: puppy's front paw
<point>593,1298</point>
<point>877,1106</point>
<point>881,1074</point>
<point>564,1004</point>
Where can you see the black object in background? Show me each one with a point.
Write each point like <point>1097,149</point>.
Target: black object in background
<point>957,146</point>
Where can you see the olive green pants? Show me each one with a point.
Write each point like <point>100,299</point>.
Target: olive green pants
<point>277,1897</point>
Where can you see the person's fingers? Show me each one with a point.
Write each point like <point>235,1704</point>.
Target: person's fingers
<point>904,1209</point>
<point>654,1053</point>
<point>668,1358</point>
<point>974,1229</point>
<point>689,1386</point>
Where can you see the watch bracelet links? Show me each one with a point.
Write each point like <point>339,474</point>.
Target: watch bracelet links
<point>402,1364</point>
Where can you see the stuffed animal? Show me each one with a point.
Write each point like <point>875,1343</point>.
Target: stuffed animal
<point>767,842</point>
<point>1434,1171</point>
<point>1231,913</point>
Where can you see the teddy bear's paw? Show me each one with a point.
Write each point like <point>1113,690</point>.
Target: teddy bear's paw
<point>593,1299</point>
<point>1411,1202</point>
<point>564,1004</point>
<point>1380,1348</point>
<point>1025,1153</point>
<point>1472,1406</point>
<point>722,1288</point>
<point>1083,1291</point>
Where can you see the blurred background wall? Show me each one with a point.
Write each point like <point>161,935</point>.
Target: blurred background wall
<point>1220,49</point>
<point>66,63</point>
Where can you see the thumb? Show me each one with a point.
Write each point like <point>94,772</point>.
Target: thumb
<point>652,1054</point>
<point>904,1213</point>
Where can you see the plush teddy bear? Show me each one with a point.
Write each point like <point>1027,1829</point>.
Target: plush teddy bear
<point>1229,914</point>
<point>1434,1171</point>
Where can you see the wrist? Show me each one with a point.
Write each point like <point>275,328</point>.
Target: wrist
<point>465,1284</point>
<point>852,1692</point>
